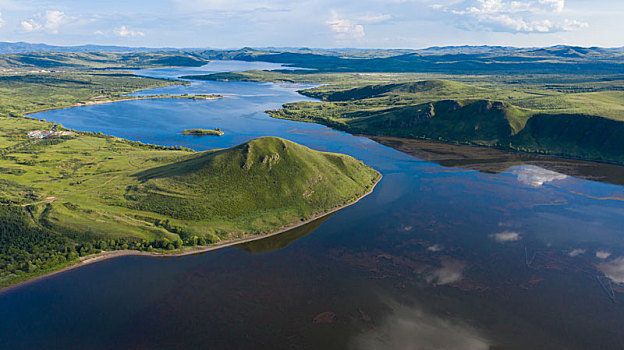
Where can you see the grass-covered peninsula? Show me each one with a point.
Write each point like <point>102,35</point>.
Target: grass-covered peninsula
<point>92,192</point>
<point>67,195</point>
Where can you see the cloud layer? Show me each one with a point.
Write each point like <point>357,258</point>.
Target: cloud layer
<point>533,16</point>
<point>319,23</point>
<point>50,21</point>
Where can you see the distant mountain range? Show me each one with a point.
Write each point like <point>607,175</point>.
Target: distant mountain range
<point>23,47</point>
<point>447,60</point>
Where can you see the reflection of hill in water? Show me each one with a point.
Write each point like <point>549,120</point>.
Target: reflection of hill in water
<point>283,239</point>
<point>488,160</point>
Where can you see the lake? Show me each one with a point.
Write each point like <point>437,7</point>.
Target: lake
<point>455,249</point>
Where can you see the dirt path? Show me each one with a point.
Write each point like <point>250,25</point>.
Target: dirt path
<point>47,201</point>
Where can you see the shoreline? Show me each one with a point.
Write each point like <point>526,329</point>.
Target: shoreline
<point>107,255</point>
<point>131,98</point>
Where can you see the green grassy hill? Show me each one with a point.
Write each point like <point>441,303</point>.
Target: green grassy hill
<point>438,88</point>
<point>479,121</point>
<point>254,187</point>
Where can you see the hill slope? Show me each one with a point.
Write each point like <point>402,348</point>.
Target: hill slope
<point>254,187</point>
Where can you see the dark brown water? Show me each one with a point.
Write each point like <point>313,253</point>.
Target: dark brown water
<point>445,255</point>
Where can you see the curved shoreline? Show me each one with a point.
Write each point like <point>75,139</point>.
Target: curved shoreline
<point>125,99</point>
<point>106,255</point>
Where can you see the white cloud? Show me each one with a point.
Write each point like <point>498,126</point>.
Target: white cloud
<point>613,269</point>
<point>373,18</point>
<point>30,25</point>
<point>572,25</point>
<point>534,16</point>
<point>507,236</point>
<point>576,252</point>
<point>451,271</point>
<point>1,20</point>
<point>53,19</point>
<point>410,328</point>
<point>344,28</point>
<point>556,5</point>
<point>50,21</point>
<point>124,32</point>
<point>601,254</point>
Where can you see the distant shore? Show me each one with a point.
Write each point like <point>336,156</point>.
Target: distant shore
<point>106,255</point>
<point>128,98</point>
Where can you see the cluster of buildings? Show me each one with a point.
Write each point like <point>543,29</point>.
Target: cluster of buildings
<point>48,134</point>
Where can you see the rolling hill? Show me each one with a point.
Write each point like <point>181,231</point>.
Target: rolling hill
<point>257,186</point>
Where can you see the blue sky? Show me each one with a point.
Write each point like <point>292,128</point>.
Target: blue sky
<point>320,23</point>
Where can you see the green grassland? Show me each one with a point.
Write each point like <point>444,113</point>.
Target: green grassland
<point>566,115</point>
<point>90,188</point>
<point>57,185</point>
<point>30,93</point>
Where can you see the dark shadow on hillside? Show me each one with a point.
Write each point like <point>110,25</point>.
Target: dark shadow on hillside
<point>494,161</point>
<point>282,240</point>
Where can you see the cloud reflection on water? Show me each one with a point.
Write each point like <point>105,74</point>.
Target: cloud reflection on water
<point>534,176</point>
<point>613,269</point>
<point>601,254</point>
<point>506,236</point>
<point>413,329</point>
<point>451,271</point>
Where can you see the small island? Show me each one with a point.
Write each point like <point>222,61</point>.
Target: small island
<point>193,97</point>
<point>203,132</point>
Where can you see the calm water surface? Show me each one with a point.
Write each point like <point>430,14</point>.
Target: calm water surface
<point>436,258</point>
